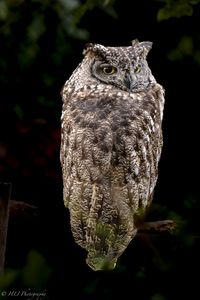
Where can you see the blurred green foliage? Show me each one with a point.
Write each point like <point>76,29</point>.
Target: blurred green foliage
<point>185,49</point>
<point>32,277</point>
<point>36,271</point>
<point>157,297</point>
<point>177,9</point>
<point>7,279</point>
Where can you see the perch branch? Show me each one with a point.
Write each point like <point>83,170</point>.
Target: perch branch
<point>5,191</point>
<point>164,225</point>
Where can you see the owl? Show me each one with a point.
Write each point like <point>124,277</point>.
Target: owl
<point>111,141</point>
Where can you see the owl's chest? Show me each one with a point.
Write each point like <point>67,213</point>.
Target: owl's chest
<point>99,123</point>
<point>97,112</point>
<point>107,132</point>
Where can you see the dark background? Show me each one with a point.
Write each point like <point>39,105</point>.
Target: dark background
<point>41,43</point>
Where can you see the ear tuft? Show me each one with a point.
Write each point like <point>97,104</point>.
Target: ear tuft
<point>135,42</point>
<point>144,48</point>
<point>88,47</point>
<point>146,45</point>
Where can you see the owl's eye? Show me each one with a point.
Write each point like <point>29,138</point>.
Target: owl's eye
<point>109,70</point>
<point>138,68</point>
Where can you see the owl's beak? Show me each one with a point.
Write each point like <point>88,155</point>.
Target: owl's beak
<point>129,81</point>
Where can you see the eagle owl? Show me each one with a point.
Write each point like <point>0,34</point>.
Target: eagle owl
<point>111,142</point>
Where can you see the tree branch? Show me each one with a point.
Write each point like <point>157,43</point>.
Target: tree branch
<point>5,191</point>
<point>163,225</point>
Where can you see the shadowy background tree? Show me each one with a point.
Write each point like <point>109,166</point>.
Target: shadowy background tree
<point>41,43</point>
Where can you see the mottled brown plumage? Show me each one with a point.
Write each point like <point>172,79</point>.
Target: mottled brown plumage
<point>110,148</point>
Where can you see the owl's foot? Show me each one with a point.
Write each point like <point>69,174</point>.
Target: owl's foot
<point>164,225</point>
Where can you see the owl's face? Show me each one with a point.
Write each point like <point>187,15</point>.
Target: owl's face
<point>123,67</point>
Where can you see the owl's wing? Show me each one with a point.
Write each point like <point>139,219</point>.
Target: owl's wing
<point>86,148</point>
<point>137,149</point>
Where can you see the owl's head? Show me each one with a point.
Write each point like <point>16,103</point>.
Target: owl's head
<point>123,67</point>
